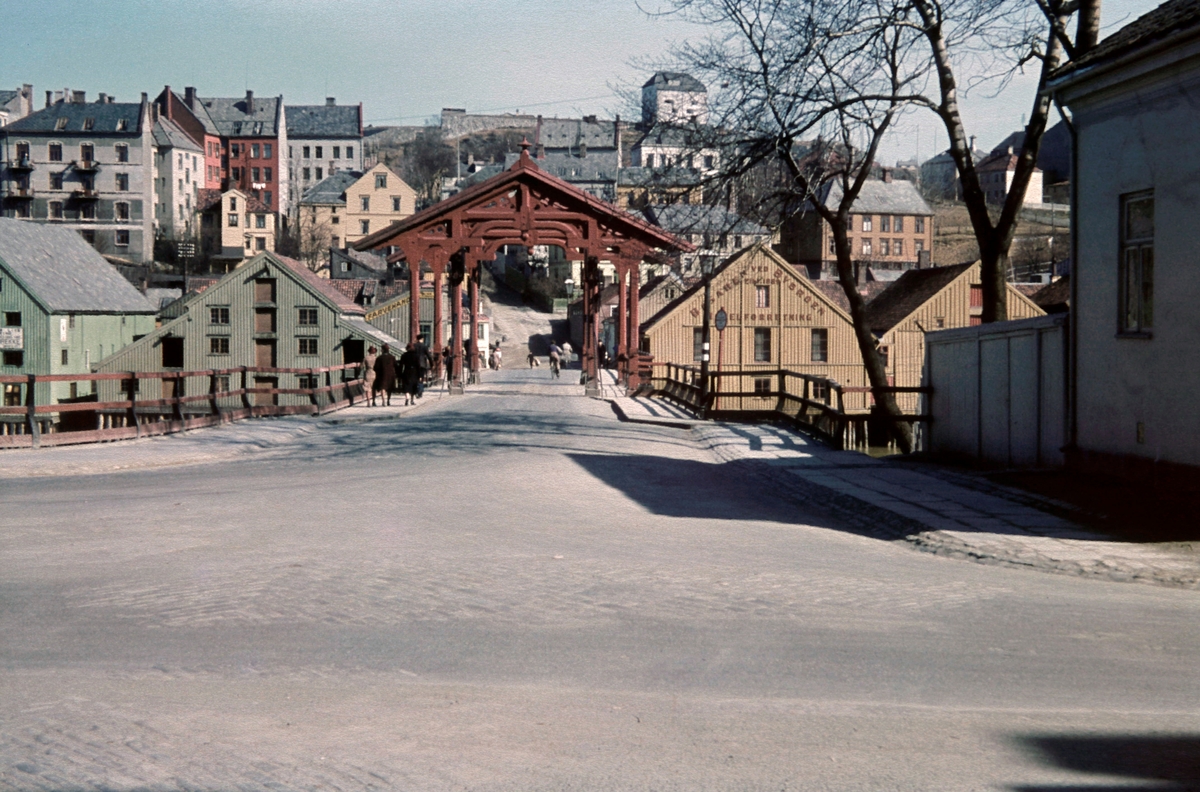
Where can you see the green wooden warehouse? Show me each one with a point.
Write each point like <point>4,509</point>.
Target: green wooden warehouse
<point>270,311</point>
<point>63,308</point>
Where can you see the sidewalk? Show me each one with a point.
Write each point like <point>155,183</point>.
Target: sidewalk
<point>938,512</point>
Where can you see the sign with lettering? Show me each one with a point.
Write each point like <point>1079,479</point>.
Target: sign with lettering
<point>722,320</point>
<point>12,338</point>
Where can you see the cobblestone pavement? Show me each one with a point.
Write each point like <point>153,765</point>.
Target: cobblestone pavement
<point>515,590</point>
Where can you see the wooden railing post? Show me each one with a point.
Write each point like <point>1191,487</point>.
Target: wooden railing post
<point>177,402</point>
<point>212,394</point>
<point>245,381</point>
<point>781,376</point>
<point>312,391</point>
<point>131,393</point>
<point>35,431</point>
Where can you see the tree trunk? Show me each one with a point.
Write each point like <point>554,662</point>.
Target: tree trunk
<point>1087,34</point>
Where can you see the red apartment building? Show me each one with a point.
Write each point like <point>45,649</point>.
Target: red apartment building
<point>190,116</point>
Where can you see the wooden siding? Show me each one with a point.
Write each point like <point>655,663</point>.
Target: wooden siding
<point>949,308</point>
<point>796,309</point>
<point>392,317</point>
<point>236,291</point>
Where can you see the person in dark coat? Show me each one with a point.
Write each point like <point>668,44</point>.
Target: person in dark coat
<point>410,373</point>
<point>385,374</point>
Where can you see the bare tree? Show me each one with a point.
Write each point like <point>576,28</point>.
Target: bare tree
<point>427,159</point>
<point>807,94</point>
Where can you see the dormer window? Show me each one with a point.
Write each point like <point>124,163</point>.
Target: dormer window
<point>232,204</point>
<point>60,123</point>
<point>122,124</point>
<point>89,124</point>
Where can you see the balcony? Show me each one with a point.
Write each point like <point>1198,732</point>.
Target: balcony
<point>21,194</point>
<point>86,194</point>
<point>87,166</point>
<point>20,164</point>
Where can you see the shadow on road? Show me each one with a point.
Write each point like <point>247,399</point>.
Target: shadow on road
<point>1160,762</point>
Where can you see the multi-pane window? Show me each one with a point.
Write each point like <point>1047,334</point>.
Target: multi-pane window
<point>395,203</point>
<point>304,151</point>
<point>762,386</point>
<point>308,346</point>
<point>380,181</point>
<point>260,243</point>
<point>866,247</point>
<point>349,152</point>
<point>260,221</point>
<point>762,345</point>
<point>56,210</point>
<point>255,174</point>
<point>87,152</point>
<point>267,150</point>
<point>898,224</point>
<point>233,220</point>
<point>307,381</point>
<point>820,391</point>
<point>918,245</point>
<point>337,152</point>
<point>866,222</point>
<point>885,223</point>
<point>267,174</point>
<point>122,181</point>
<point>1137,263</point>
<point>308,316</point>
<point>218,314</point>
<point>254,150</point>
<point>820,345</point>
<point>320,152</point>
<point>121,210</point>
<point>56,181</point>
<point>762,296</point>
<point>885,247</point>
<point>122,152</point>
<point>365,200</point>
<point>697,343</point>
<point>365,226</point>
<point>54,152</point>
<point>919,225</point>
<point>897,247</point>
<point>122,237</point>
<point>219,346</point>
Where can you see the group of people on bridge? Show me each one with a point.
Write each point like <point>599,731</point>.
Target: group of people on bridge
<point>381,373</point>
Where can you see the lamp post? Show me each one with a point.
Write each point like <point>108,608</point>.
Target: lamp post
<point>706,267</point>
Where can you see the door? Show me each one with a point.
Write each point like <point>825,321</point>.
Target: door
<point>264,353</point>
<point>264,320</point>
<point>352,351</point>
<point>265,399</point>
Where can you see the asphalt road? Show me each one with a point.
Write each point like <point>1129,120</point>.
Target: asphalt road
<point>514,591</point>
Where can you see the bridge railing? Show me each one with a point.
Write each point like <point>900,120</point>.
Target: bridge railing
<point>31,416</point>
<point>842,415</point>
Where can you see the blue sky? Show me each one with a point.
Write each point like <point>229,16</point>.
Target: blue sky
<point>403,59</point>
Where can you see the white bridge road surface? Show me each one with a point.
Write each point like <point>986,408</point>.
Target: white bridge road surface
<point>513,590</point>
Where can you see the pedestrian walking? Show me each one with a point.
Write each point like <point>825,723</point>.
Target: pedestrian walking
<point>567,353</point>
<point>425,359</point>
<point>410,373</point>
<point>447,365</point>
<point>385,374</point>
<point>497,358</point>
<point>368,374</point>
<point>533,361</point>
<point>555,360</point>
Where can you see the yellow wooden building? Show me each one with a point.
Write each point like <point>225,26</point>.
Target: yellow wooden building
<point>778,319</point>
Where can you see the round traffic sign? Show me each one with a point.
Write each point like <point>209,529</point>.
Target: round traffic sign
<point>722,320</point>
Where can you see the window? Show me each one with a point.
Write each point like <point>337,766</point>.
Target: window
<point>218,315</point>
<point>122,238</point>
<point>697,343</point>
<point>832,245</point>
<point>307,381</point>
<point>349,152</point>
<point>320,152</point>
<point>320,174</point>
<point>305,174</point>
<point>919,225</point>
<point>55,152</point>
<point>337,152</point>
<point>708,161</point>
<point>866,222</point>
<point>236,173</point>
<point>380,182</point>
<point>308,346</point>
<point>820,391</point>
<point>649,160</point>
<point>221,383</point>
<point>305,152</point>
<point>87,152</point>
<point>88,236</point>
<point>260,243</point>
<point>366,202</point>
<point>885,247</point>
<point>918,245</point>
<point>866,247</point>
<point>121,210</point>
<point>898,224</point>
<point>976,296</point>
<point>820,345</point>
<point>266,197</point>
<point>885,224</point>
<point>233,203</point>
<point>762,345</point>
<point>267,150</point>
<point>307,316</point>
<point>88,212</point>
<point>254,150</point>
<point>60,123</point>
<point>122,152</point>
<point>762,386</point>
<point>12,318</point>
<point>883,354</point>
<point>1137,263</point>
<point>219,346</point>
<point>235,149</point>
<point>762,296</point>
<point>897,247</point>
<point>233,220</point>
<point>56,210</point>
<point>12,359</point>
<point>260,221</point>
<point>365,226</point>
<point>12,393</point>
<point>267,174</point>
<point>335,241</point>
<point>65,357</point>
<point>335,220</point>
<point>395,203</point>
<point>255,173</point>
<point>939,322</point>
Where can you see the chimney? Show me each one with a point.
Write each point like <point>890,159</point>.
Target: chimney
<point>78,97</point>
<point>103,98</point>
<point>49,101</point>
<point>972,142</point>
<point>887,175</point>
<point>541,152</point>
<point>249,102</point>
<point>189,97</point>
<point>329,101</point>
<point>537,135</point>
<point>582,149</point>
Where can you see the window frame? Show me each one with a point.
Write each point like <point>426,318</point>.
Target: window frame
<point>1135,284</point>
<point>762,345</point>
<point>818,348</point>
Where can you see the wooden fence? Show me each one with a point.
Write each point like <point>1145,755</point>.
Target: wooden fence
<point>810,403</point>
<point>87,420</point>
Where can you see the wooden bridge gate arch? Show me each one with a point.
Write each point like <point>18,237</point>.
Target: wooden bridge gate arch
<point>524,205</point>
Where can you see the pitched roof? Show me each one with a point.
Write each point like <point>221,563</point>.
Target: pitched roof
<point>323,121</point>
<point>658,280</point>
<point>701,219</point>
<point>568,167</point>
<point>331,190</point>
<point>676,81</point>
<point>1170,18</point>
<point>65,273</point>
<point>908,293</point>
<point>231,119</point>
<point>105,119</point>
<point>321,285</point>
<point>7,96</point>
<point>836,294</point>
<point>569,133</point>
<point>880,197</point>
<point>1054,297</point>
<point>168,134</point>
<point>207,198</point>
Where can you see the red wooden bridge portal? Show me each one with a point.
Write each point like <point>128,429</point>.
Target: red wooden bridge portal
<point>526,206</point>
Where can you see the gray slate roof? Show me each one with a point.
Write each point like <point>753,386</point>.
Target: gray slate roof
<point>879,197</point>
<point>568,133</point>
<point>331,190</point>
<point>232,120</point>
<point>701,219</point>
<point>598,167</point>
<point>322,121</point>
<point>65,273</point>
<point>105,118</point>
<point>168,134</point>
<point>161,298</point>
<point>7,96</point>
<point>675,81</point>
